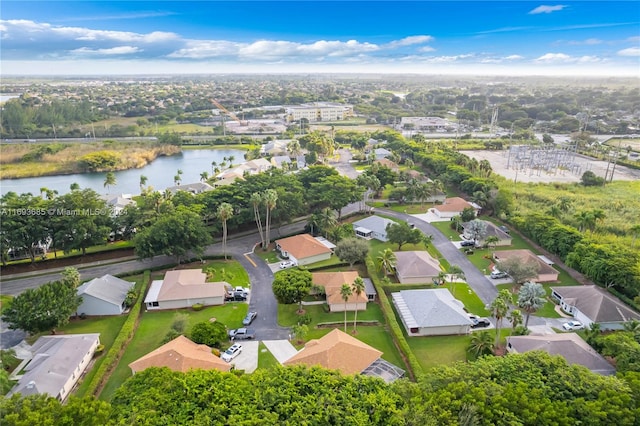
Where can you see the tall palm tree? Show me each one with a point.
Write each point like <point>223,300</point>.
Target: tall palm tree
<point>345,292</point>
<point>143,182</point>
<point>515,318</point>
<point>294,148</point>
<point>585,220</point>
<point>455,273</point>
<point>109,180</point>
<point>224,213</point>
<point>270,198</point>
<point>327,220</point>
<point>214,164</point>
<point>499,308</point>
<point>256,202</point>
<point>386,260</point>
<point>231,160</point>
<point>531,297</point>
<point>358,289</point>
<point>423,192</point>
<point>491,241</point>
<point>204,176</point>
<point>481,343</point>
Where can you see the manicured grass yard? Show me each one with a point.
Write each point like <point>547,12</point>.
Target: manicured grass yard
<point>230,271</point>
<point>154,326</point>
<point>5,302</point>
<point>287,315</point>
<point>265,358</point>
<point>438,350</point>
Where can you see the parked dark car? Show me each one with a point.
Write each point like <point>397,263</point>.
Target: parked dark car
<point>235,296</point>
<point>480,322</point>
<point>504,229</point>
<point>467,243</point>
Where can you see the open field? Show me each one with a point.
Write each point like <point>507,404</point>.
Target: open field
<point>623,143</point>
<point>498,160</point>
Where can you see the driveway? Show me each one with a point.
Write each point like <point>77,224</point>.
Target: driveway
<point>282,350</point>
<point>248,358</point>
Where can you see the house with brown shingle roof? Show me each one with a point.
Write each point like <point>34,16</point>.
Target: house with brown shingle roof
<point>339,351</point>
<point>183,289</point>
<point>332,283</point>
<point>180,354</point>
<point>452,207</point>
<point>570,346</point>
<point>416,267</point>
<point>592,304</point>
<point>546,273</point>
<point>303,249</point>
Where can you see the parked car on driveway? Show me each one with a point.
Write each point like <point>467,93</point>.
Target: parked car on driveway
<point>467,243</point>
<point>287,264</point>
<point>573,325</point>
<point>479,322</point>
<point>241,334</point>
<point>498,274</point>
<point>232,352</point>
<point>249,318</point>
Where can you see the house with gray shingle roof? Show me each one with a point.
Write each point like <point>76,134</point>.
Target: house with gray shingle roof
<point>431,312</point>
<point>416,267</point>
<point>103,296</point>
<point>570,346</point>
<point>592,304</point>
<point>372,227</point>
<point>194,188</point>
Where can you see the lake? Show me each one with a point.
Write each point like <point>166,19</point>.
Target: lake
<point>159,174</point>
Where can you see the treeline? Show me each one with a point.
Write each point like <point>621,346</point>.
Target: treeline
<point>605,258</point>
<point>528,389</point>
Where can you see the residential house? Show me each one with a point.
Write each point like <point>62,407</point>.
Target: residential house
<point>332,283</point>
<point>504,239</point>
<point>570,346</point>
<point>303,249</point>
<point>591,304</point>
<point>546,272</point>
<point>183,289</point>
<point>103,296</point>
<point>382,153</point>
<point>180,354</point>
<point>253,167</point>
<point>452,207</point>
<point>339,351</point>
<point>275,147</point>
<point>56,365</point>
<point>416,267</point>
<point>372,227</point>
<point>385,162</point>
<point>118,202</point>
<point>194,188</point>
<point>431,312</point>
<point>281,161</point>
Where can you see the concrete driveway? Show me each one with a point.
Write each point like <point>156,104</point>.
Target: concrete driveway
<point>282,350</point>
<point>248,358</point>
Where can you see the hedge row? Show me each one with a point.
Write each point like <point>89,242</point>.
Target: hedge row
<point>387,310</point>
<point>122,339</point>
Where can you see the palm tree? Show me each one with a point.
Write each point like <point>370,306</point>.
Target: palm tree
<point>177,180</point>
<point>499,308</point>
<point>423,192</point>
<point>564,204</point>
<point>455,272</point>
<point>481,343</point>
<point>231,159</point>
<point>442,277</point>
<point>256,201</point>
<point>531,297</point>
<point>515,318</point>
<point>74,186</point>
<point>204,176</point>
<point>426,240</point>
<point>632,325</point>
<point>109,179</point>
<point>143,182</point>
<point>214,164</point>
<point>585,220</point>
<point>225,212</point>
<point>491,241</point>
<point>327,220</point>
<point>294,148</point>
<point>358,289</point>
<point>386,260</point>
<point>598,216</point>
<point>345,292</point>
<point>43,191</point>
<point>270,198</point>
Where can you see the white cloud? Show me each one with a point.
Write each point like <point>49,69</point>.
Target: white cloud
<point>588,42</point>
<point>120,50</point>
<point>547,9</point>
<point>426,49</point>
<point>200,49</point>
<point>562,58</point>
<point>631,51</point>
<point>408,41</point>
<point>635,39</point>
<point>513,57</point>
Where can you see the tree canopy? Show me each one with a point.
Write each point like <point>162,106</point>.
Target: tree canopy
<point>291,286</point>
<point>352,250</point>
<point>401,233</point>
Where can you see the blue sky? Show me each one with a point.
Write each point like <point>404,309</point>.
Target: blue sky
<point>451,37</point>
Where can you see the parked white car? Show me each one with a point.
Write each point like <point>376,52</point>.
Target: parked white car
<point>573,325</point>
<point>232,352</point>
<point>287,264</point>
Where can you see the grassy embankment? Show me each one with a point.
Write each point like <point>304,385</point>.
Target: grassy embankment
<point>31,160</point>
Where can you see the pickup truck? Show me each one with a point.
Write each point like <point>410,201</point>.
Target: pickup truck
<point>242,334</point>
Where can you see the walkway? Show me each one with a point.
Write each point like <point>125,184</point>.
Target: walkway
<point>282,350</point>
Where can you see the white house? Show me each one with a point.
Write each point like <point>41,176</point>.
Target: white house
<point>452,207</point>
<point>103,296</point>
<point>194,188</point>
<point>372,227</point>
<point>304,249</point>
<point>57,362</point>
<point>591,304</point>
<point>183,289</point>
<point>431,312</point>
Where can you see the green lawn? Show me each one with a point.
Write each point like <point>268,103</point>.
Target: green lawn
<point>287,315</point>
<point>5,302</point>
<point>265,358</point>
<point>548,310</point>
<point>230,271</point>
<point>153,328</point>
<point>270,256</point>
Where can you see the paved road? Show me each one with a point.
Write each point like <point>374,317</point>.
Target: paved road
<point>343,166</point>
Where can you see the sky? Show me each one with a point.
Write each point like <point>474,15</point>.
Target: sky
<point>568,38</point>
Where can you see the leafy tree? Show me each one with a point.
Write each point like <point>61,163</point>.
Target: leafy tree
<point>401,233</point>
<point>224,213</point>
<point>491,241</point>
<point>357,288</point>
<point>590,179</point>
<point>334,191</point>
<point>386,260</point>
<point>173,234</point>
<point>71,276</point>
<point>352,250</point>
<point>477,229</point>
<point>41,409</point>
<point>468,214</point>
<point>345,292</point>
<point>291,286</point>
<point>531,297</point>
<point>209,333</point>
<point>42,309</point>
<point>23,231</point>
<point>519,271</point>
<point>481,343</point>
<point>300,331</point>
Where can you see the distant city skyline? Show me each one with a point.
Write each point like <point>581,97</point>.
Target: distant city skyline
<point>518,38</point>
